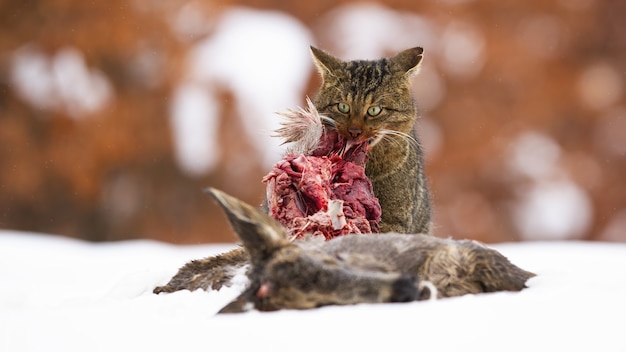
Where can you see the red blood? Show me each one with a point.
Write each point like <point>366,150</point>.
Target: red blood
<point>263,291</point>
<point>325,193</point>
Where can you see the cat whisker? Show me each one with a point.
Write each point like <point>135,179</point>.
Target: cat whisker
<point>375,140</point>
<point>388,135</point>
<point>389,139</point>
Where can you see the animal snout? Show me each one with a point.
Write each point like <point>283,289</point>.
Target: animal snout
<point>404,290</point>
<point>355,131</point>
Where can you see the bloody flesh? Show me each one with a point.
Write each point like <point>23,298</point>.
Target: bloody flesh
<point>324,192</point>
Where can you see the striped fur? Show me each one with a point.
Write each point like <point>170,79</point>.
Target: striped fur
<point>395,166</point>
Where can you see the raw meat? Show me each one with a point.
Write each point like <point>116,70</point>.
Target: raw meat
<point>319,187</point>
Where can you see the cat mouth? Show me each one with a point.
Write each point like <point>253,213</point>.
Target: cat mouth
<point>352,141</point>
<point>373,141</point>
<point>369,142</point>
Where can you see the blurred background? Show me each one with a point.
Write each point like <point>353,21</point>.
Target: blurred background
<point>114,115</point>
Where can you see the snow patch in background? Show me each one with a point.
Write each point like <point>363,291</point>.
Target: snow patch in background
<point>463,49</point>
<point>551,206</point>
<point>364,30</point>
<point>534,155</point>
<point>61,82</point>
<point>189,22</point>
<point>263,58</point>
<point>557,210</point>
<point>194,121</point>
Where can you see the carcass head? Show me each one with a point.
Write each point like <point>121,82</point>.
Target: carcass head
<point>300,275</point>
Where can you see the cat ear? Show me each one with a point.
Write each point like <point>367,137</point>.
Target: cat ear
<point>326,63</point>
<point>409,60</point>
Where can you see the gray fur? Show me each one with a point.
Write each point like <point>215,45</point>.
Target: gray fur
<point>350,269</point>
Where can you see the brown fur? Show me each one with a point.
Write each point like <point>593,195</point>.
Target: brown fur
<point>396,165</point>
<point>208,273</point>
<point>346,270</point>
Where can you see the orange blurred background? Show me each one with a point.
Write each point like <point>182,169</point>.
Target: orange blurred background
<point>115,115</point>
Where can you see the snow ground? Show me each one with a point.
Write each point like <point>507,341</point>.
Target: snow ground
<point>60,294</point>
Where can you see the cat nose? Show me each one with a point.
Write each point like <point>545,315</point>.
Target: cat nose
<point>355,131</point>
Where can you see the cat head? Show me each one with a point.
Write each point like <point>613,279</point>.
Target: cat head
<point>368,99</point>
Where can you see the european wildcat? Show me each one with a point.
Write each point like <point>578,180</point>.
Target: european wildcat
<point>371,100</point>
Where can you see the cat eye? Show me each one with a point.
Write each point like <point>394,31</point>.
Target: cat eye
<point>374,110</point>
<point>343,107</point>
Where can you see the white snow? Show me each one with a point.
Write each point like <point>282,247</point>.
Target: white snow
<point>556,210</point>
<point>65,295</point>
<point>463,49</point>
<point>194,121</point>
<point>59,82</point>
<point>551,206</point>
<point>363,31</point>
<point>534,155</point>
